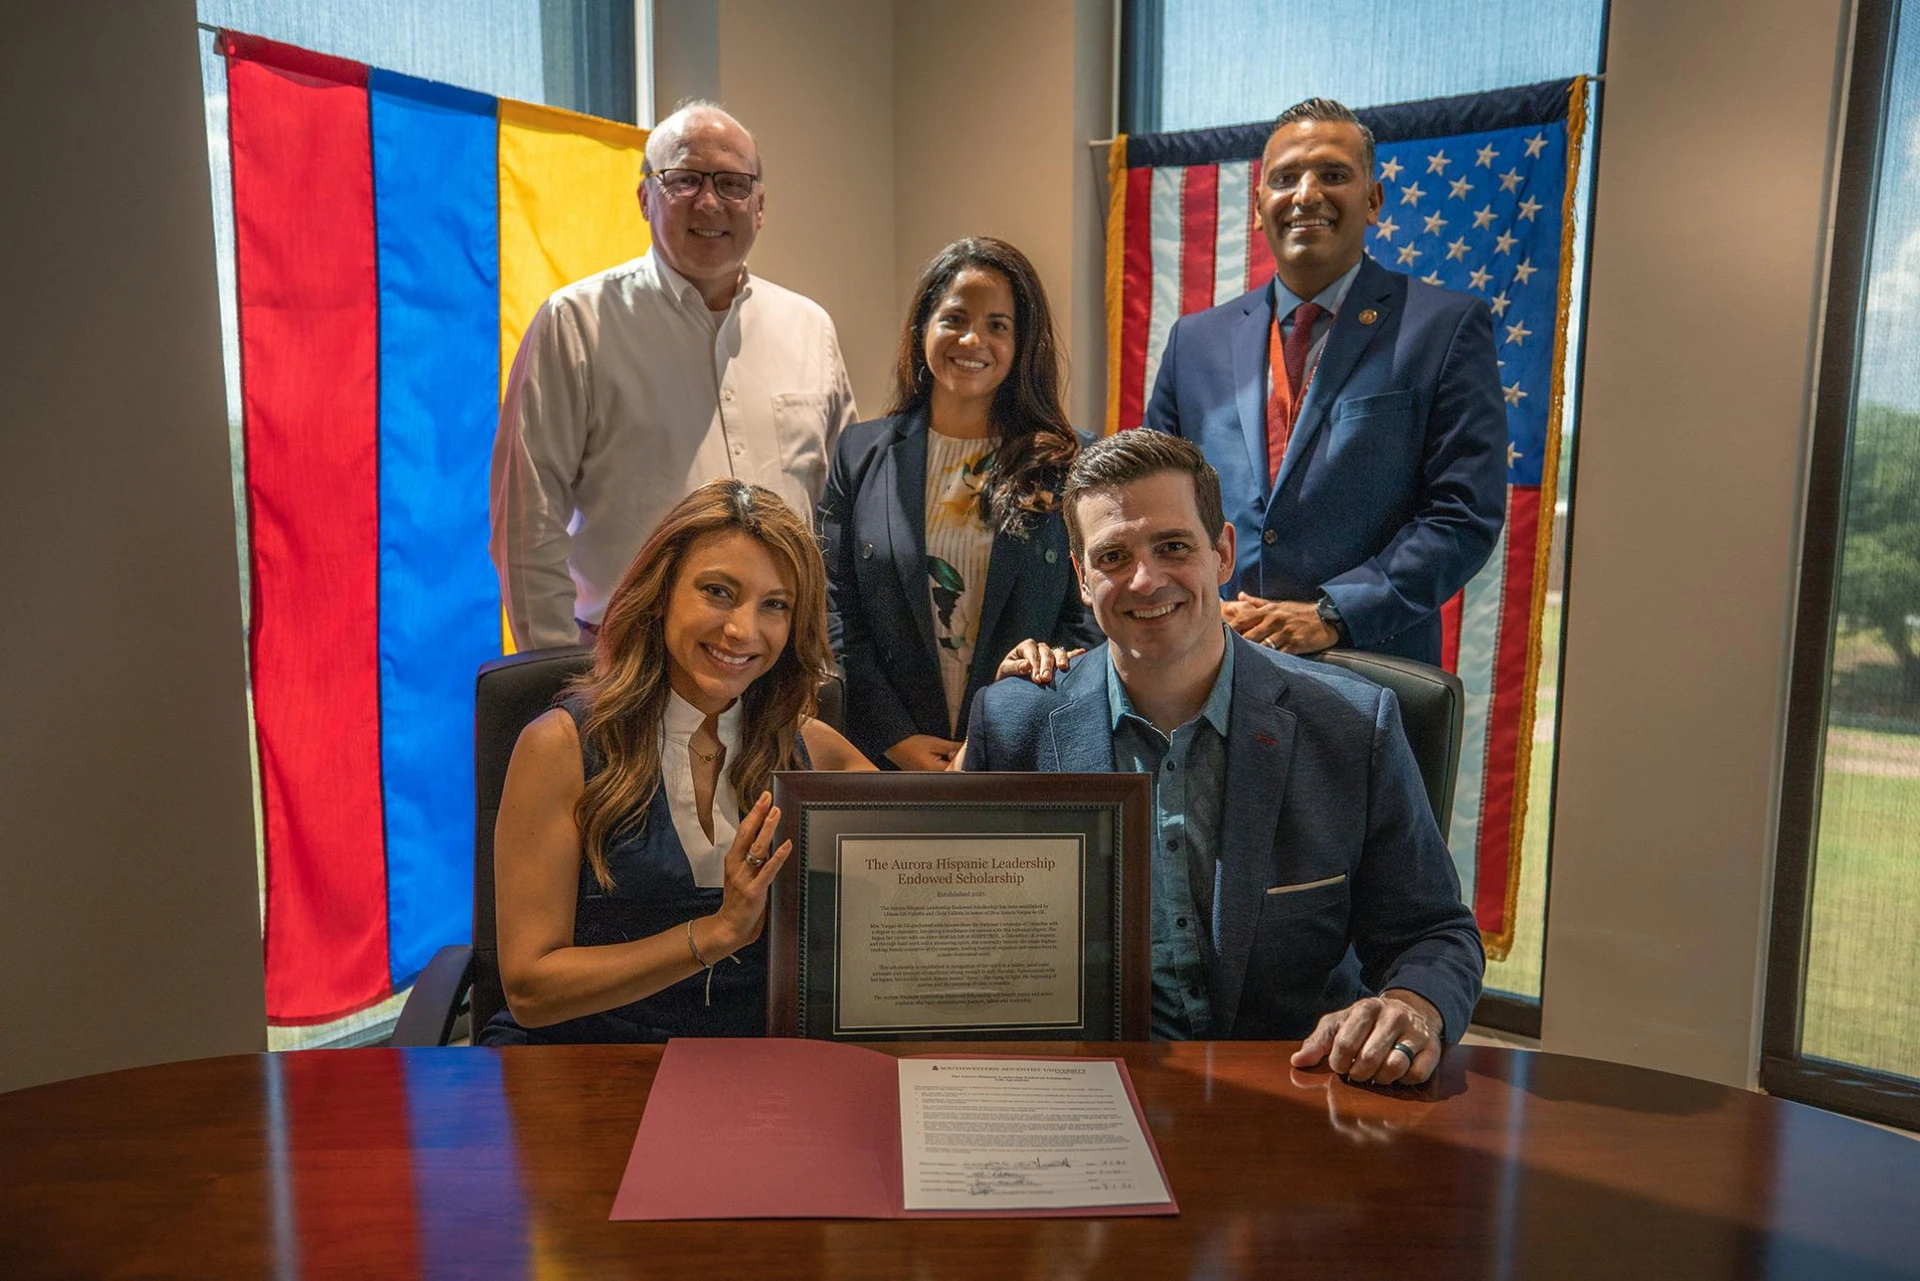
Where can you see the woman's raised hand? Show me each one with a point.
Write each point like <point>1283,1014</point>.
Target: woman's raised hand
<point>750,869</point>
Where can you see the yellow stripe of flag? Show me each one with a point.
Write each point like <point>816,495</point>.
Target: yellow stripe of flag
<point>567,209</point>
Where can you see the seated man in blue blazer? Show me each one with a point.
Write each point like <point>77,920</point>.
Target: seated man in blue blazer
<point>1301,888</point>
<point>1355,415</point>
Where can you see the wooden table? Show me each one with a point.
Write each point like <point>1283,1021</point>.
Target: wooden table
<point>469,1162</point>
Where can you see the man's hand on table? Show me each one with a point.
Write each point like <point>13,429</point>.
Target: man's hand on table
<point>1294,626</point>
<point>1358,1042</point>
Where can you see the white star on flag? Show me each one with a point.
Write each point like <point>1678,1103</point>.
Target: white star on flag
<point>1483,218</point>
<point>1435,224</point>
<point>1504,243</point>
<point>1500,302</point>
<point>1518,333</point>
<point>1524,272</point>
<point>1510,180</point>
<point>1390,170</point>
<point>1432,278</point>
<point>1485,157</point>
<point>1387,227</point>
<point>1536,145</point>
<point>1459,188</point>
<point>1513,394</point>
<point>1438,162</point>
<point>1407,254</point>
<point>1411,193</point>
<point>1479,277</point>
<point>1528,208</point>
<point>1458,249</point>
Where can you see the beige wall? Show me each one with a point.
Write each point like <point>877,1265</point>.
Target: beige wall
<point>129,907</point>
<point>1708,258</point>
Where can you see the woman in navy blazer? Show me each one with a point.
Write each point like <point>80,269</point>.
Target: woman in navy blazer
<point>976,427</point>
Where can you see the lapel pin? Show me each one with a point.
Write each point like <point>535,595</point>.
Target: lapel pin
<point>1052,556</point>
<point>1368,316</point>
<point>1264,740</point>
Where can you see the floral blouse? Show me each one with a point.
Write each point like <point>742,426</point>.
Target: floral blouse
<point>959,545</point>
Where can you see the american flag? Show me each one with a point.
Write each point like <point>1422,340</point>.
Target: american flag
<point>1476,199</point>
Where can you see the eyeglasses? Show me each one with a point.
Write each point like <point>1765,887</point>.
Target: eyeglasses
<point>685,184</point>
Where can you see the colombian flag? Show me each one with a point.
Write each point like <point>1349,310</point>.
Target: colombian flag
<point>393,237</point>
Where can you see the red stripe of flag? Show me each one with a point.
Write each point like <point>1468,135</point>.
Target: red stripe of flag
<point>1136,301</point>
<point>309,326</point>
<point>1450,633</point>
<point>1259,254</point>
<point>1503,713</point>
<point>1199,219</point>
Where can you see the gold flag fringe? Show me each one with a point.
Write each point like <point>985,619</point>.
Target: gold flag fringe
<point>1499,945</point>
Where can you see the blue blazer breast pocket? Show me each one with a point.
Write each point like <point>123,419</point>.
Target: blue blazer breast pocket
<point>1377,430</point>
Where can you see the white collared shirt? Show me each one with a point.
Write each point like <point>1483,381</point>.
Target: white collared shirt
<point>707,858</point>
<point>625,397</point>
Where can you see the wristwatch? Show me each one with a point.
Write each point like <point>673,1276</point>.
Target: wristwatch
<point>1330,614</point>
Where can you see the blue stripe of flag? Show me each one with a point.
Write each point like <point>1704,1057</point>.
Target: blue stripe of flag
<point>436,204</point>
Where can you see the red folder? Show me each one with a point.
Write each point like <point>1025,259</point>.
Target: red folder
<point>790,1129</point>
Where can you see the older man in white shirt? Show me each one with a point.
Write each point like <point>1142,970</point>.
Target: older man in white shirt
<point>634,386</point>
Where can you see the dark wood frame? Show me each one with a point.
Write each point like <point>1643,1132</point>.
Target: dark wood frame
<point>1125,798</point>
<point>1784,1070</point>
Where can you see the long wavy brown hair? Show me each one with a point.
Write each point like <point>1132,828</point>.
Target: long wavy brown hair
<point>1036,442</point>
<point>626,690</point>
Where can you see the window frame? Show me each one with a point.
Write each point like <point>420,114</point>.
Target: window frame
<point>1784,1070</point>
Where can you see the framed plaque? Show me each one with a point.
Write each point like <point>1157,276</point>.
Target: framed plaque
<point>961,906</point>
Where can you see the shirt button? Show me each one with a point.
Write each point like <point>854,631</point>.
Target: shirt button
<point>1269,538</point>
<point>727,395</point>
<point>738,450</point>
<point>1171,766</point>
<point>1173,842</point>
<point>1181,922</point>
<point>866,551</point>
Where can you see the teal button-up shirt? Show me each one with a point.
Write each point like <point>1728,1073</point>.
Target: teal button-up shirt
<point>1189,788</point>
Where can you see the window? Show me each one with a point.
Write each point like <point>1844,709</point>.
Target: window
<point>1203,64</point>
<point>1842,1028</point>
<point>577,54</point>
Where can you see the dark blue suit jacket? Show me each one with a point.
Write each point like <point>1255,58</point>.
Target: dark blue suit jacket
<point>1327,840</point>
<point>873,521</point>
<point>1393,489</point>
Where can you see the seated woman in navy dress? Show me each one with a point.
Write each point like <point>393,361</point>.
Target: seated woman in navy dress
<point>634,846</point>
<point>946,552</point>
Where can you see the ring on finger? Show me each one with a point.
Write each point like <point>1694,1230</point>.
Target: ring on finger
<point>1405,1049</point>
<point>760,860</point>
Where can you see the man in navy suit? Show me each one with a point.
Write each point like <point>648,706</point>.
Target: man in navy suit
<point>1300,885</point>
<point>1355,415</point>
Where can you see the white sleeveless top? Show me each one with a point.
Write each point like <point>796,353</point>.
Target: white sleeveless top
<point>707,858</point>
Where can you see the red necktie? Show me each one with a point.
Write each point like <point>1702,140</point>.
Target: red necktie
<point>1286,393</point>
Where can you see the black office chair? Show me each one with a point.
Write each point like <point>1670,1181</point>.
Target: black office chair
<point>1433,708</point>
<point>464,979</point>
